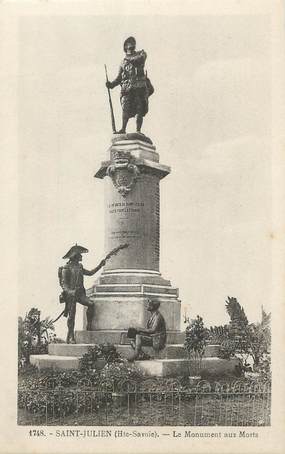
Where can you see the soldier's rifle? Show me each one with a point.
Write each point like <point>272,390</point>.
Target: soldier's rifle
<point>116,250</point>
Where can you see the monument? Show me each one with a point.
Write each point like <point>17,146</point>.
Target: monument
<point>131,175</point>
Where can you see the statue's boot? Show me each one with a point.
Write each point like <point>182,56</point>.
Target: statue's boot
<point>70,331</point>
<point>125,120</point>
<point>139,123</point>
<point>68,337</point>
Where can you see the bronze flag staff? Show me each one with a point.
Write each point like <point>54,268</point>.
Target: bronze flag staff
<point>110,103</point>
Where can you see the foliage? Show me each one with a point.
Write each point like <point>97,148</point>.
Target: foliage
<point>238,325</point>
<point>27,371</point>
<point>265,367</point>
<point>236,312</point>
<point>67,394</point>
<point>119,372</point>
<point>105,352</point>
<point>259,340</point>
<point>227,349</point>
<point>251,340</point>
<point>34,335</point>
<point>195,336</point>
<point>195,342</point>
<point>241,337</point>
<point>60,402</point>
<point>34,391</point>
<point>217,334</point>
<point>49,378</point>
<point>53,339</point>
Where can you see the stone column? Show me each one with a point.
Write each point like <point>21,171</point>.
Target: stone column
<point>132,177</point>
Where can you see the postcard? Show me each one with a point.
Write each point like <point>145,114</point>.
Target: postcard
<point>143,190</point>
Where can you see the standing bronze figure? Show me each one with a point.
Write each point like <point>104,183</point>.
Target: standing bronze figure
<point>135,85</point>
<point>71,281</point>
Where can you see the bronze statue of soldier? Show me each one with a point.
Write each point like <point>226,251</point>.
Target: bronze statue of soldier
<point>71,280</point>
<point>135,85</point>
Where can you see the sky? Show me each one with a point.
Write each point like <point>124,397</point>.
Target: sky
<point>210,120</point>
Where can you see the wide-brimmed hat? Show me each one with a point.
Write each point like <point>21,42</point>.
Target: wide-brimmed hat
<point>130,40</point>
<point>74,250</point>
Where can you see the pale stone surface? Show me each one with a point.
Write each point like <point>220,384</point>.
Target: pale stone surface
<point>211,367</point>
<point>98,337</point>
<point>164,367</point>
<point>118,337</point>
<point>120,311</point>
<point>219,367</point>
<point>132,276</point>
<point>170,351</point>
<point>138,148</point>
<point>54,362</point>
<point>76,350</point>
<point>133,219</point>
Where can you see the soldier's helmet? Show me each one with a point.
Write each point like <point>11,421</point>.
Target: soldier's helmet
<point>129,40</point>
<point>74,250</point>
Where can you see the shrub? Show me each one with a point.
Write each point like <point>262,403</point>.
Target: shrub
<point>265,367</point>
<point>36,397</point>
<point>119,372</point>
<point>195,342</point>
<point>33,336</point>
<point>241,338</point>
<point>105,352</point>
<point>60,402</point>
<point>227,349</point>
<point>217,334</point>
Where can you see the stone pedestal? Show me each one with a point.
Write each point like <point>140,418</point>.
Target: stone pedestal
<point>132,174</point>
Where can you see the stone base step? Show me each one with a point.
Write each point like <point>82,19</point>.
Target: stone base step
<point>118,337</point>
<point>167,367</point>
<point>54,362</point>
<point>211,367</point>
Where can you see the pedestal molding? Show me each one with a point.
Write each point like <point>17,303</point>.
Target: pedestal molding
<point>161,295</point>
<point>130,271</point>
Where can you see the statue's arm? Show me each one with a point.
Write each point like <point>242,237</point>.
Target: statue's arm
<point>94,270</point>
<point>138,58</point>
